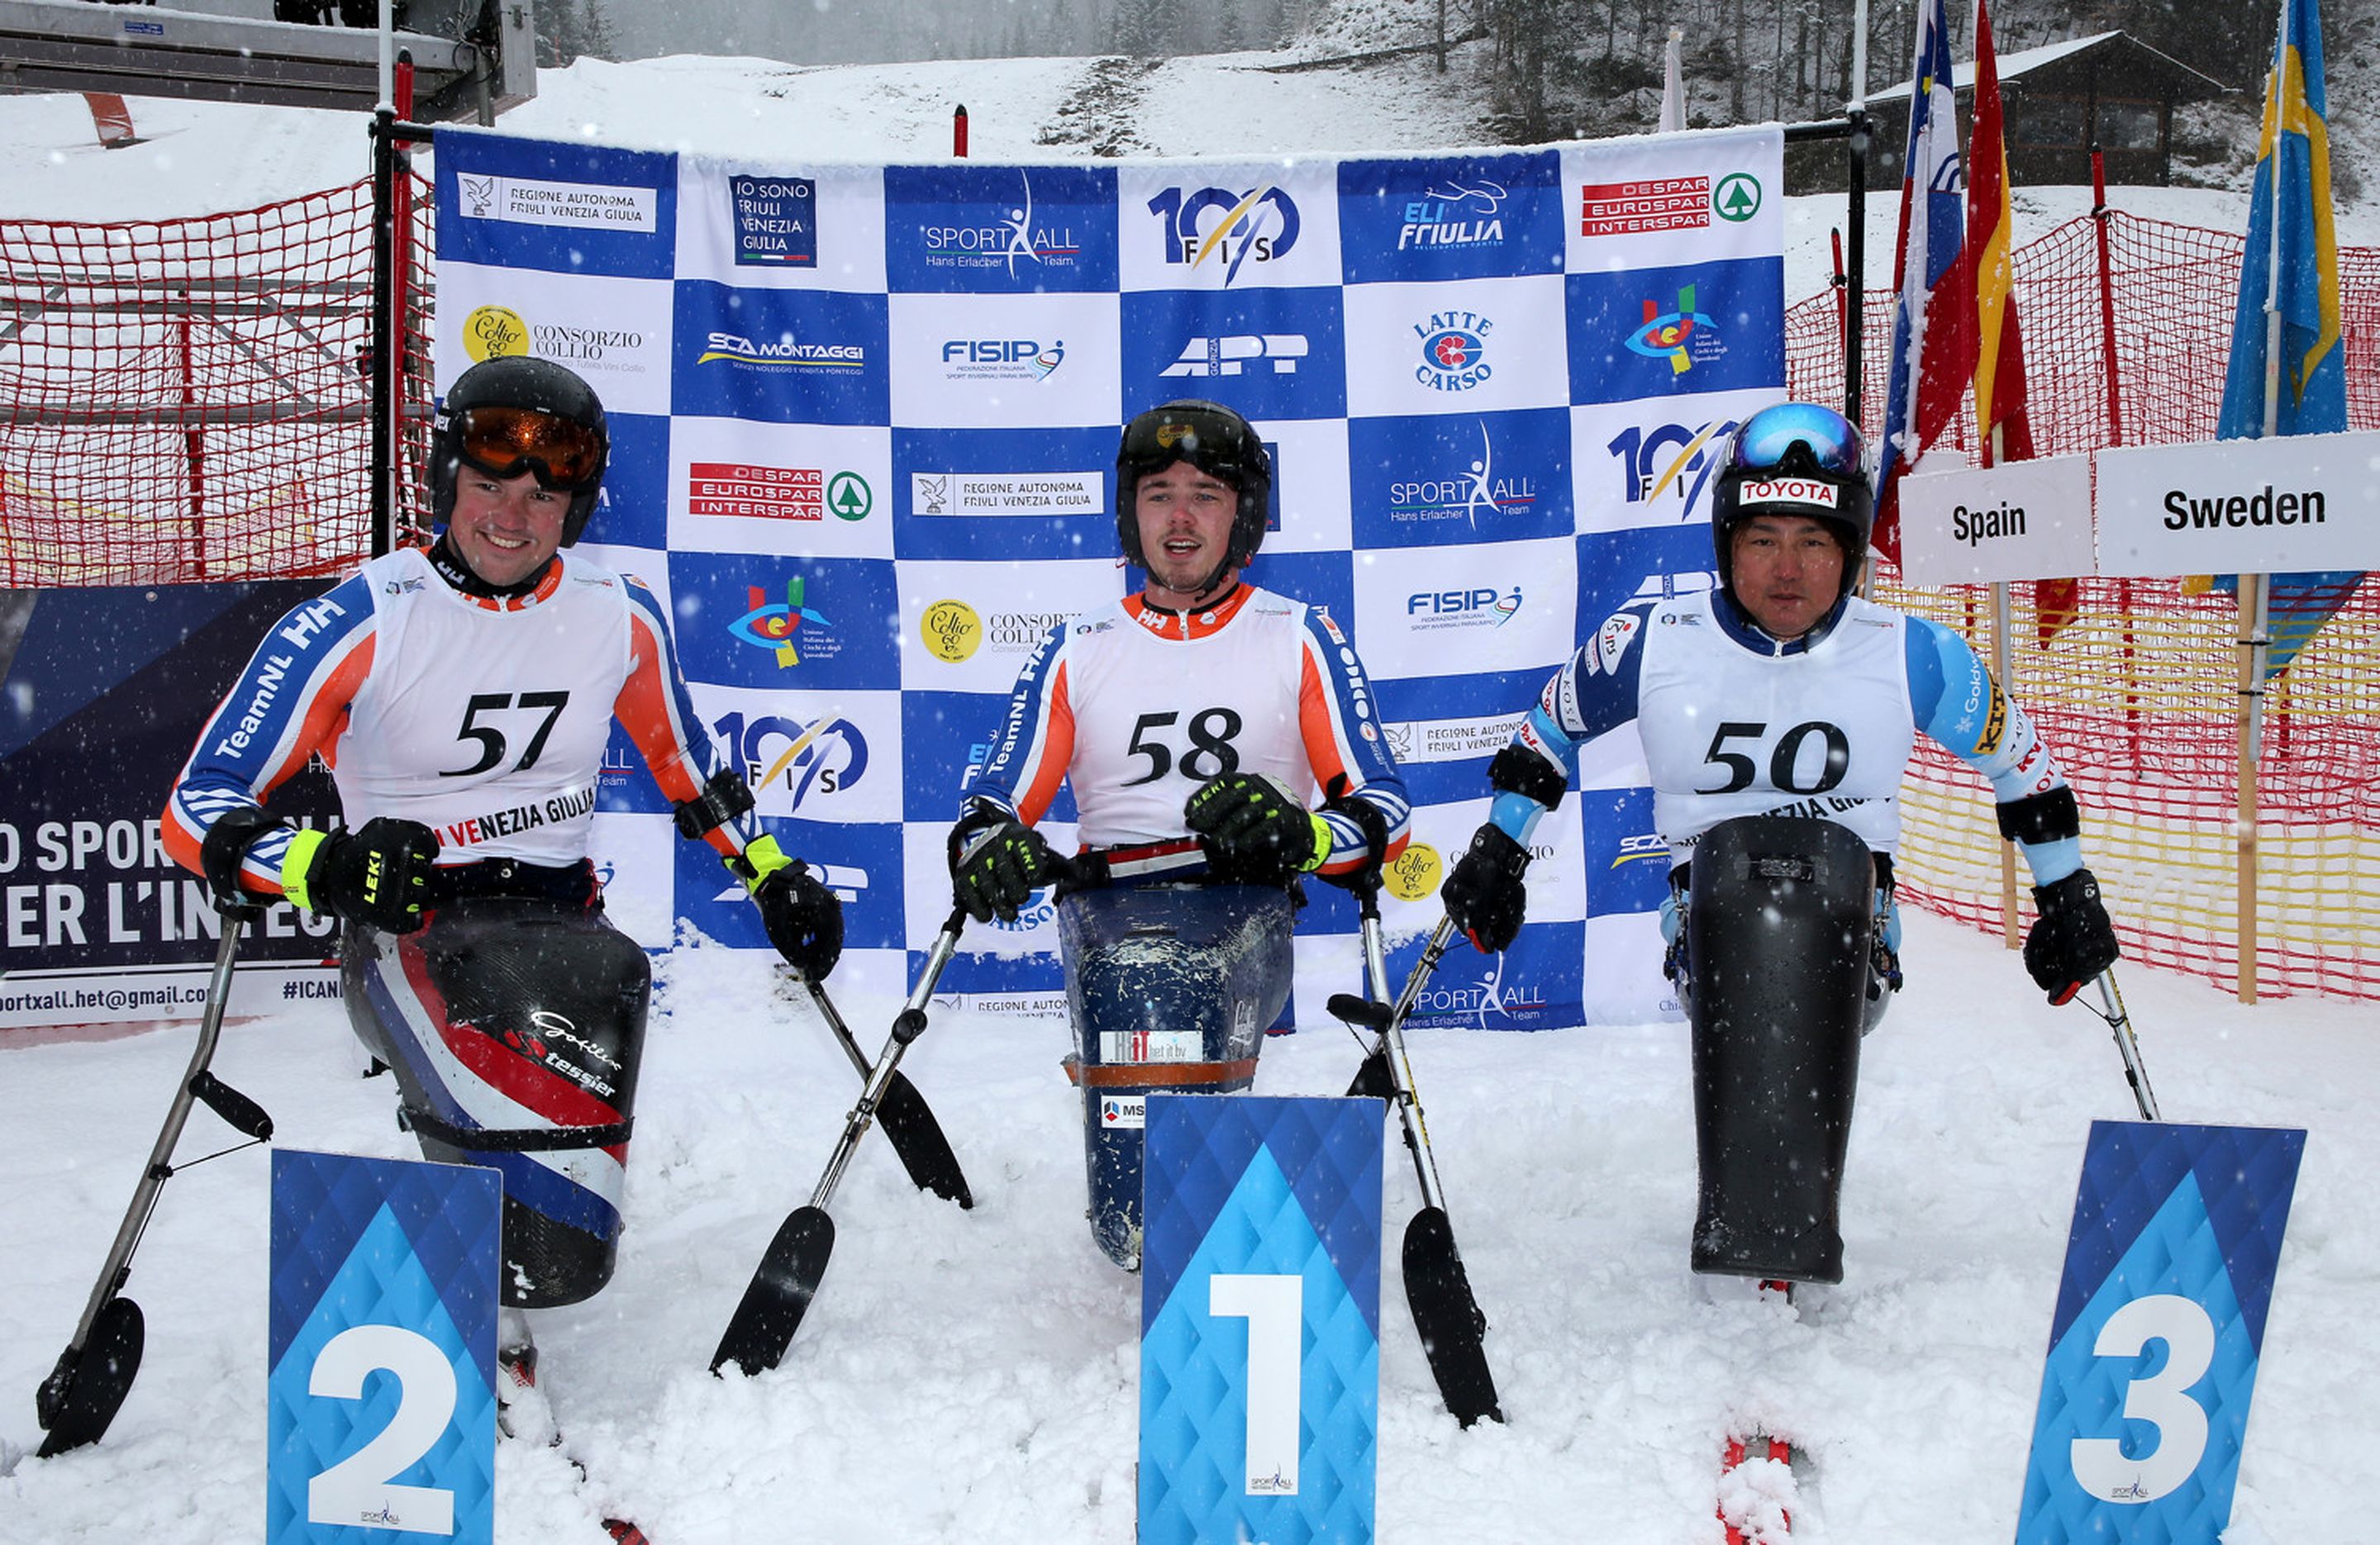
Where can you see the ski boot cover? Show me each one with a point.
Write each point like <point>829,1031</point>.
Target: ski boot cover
<point>1774,976</point>
<point>1170,988</point>
<point>516,1029</point>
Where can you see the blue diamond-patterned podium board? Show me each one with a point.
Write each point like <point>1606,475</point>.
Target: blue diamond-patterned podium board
<point>1260,1319</point>
<point>2159,1326</point>
<point>381,1391</point>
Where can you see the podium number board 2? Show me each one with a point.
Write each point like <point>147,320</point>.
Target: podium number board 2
<point>381,1388</point>
<point>1260,1320</point>
<point>2160,1327</point>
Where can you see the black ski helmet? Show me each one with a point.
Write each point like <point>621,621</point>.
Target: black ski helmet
<point>542,387</point>
<point>1217,442</point>
<point>1795,459</point>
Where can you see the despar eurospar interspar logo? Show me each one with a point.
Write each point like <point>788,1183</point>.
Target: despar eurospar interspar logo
<point>1466,488</point>
<point>1018,240</point>
<point>1669,466</point>
<point>785,626</point>
<point>1453,348</point>
<point>1641,206</point>
<point>1225,230</point>
<point>754,491</point>
<point>1674,330</point>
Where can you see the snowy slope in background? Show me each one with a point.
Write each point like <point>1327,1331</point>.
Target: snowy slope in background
<point>206,158</point>
<point>973,1375</point>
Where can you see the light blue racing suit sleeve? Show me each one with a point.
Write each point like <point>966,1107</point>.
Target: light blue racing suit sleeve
<point>1957,705</point>
<point>1591,695</point>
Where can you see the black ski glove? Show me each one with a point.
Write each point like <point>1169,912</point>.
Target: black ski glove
<point>997,863</point>
<point>803,919</point>
<point>1255,829</point>
<point>1374,823</point>
<point>2073,940</point>
<point>378,875</point>
<point>1484,895</point>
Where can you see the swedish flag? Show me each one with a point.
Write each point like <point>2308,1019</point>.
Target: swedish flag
<point>2291,264</point>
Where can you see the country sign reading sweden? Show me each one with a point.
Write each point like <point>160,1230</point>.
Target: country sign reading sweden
<point>1489,382</point>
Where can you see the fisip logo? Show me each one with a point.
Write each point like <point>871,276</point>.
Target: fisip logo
<point>1478,607</point>
<point>1001,358</point>
<point>1214,228</point>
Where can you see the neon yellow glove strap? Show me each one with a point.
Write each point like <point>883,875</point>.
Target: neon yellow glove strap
<point>1324,841</point>
<point>760,861</point>
<point>296,860</point>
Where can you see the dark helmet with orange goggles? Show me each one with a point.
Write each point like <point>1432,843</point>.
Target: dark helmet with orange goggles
<point>513,415</point>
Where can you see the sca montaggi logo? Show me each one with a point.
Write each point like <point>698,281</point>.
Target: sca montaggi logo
<point>1214,230</point>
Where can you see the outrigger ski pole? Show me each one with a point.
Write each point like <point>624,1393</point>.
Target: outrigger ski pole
<point>789,1273</point>
<point>1445,1313</point>
<point>94,1373</point>
<point>2127,1043</point>
<point>908,1122</point>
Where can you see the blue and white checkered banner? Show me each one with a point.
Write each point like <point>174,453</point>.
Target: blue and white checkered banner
<point>380,1393</point>
<point>2160,1327</point>
<point>865,422</point>
<point>1260,1319</point>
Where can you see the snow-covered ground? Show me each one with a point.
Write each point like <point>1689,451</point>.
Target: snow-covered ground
<point>973,1375</point>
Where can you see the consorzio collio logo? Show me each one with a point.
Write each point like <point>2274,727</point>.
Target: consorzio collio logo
<point>952,631</point>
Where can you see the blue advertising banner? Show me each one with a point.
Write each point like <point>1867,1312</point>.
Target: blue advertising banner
<point>1260,1320</point>
<point>867,418</point>
<point>106,690</point>
<point>2159,1326</point>
<point>381,1404</point>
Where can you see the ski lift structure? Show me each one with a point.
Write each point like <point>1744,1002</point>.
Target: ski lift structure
<point>472,59</point>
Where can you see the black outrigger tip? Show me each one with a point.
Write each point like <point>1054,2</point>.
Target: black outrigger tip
<point>779,1294</point>
<point>1449,1318</point>
<point>87,1388</point>
<point>1369,1013</point>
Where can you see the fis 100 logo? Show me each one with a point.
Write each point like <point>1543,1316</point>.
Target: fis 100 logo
<point>1669,463</point>
<point>1215,229</point>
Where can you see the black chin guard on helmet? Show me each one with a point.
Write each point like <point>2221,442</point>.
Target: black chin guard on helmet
<point>1795,459</point>
<point>519,381</point>
<point>1217,442</point>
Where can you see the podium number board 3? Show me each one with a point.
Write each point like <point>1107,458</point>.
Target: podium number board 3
<point>382,1385</point>
<point>2160,1327</point>
<point>1260,1320</point>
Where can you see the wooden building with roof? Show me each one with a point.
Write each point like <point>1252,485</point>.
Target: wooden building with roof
<point>2058,100</point>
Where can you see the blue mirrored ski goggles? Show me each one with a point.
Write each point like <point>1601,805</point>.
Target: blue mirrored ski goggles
<point>1830,444</point>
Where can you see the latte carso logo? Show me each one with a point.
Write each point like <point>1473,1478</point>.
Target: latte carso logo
<point>1215,229</point>
<point>1453,350</point>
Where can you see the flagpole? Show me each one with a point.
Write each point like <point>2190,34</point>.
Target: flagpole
<point>2254,592</point>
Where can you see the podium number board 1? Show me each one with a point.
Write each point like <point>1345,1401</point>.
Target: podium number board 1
<point>2159,1326</point>
<point>381,1388</point>
<point>1260,1319</point>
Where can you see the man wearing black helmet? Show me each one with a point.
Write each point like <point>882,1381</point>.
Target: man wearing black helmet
<point>1221,742</point>
<point>463,695</point>
<point>1778,714</point>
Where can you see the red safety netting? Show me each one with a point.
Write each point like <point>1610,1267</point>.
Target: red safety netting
<point>186,399</point>
<point>2136,682</point>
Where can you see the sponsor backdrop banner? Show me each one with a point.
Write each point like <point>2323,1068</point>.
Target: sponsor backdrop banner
<point>106,689</point>
<point>865,423</point>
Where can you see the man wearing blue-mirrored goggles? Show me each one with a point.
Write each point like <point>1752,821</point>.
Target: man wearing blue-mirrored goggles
<point>1777,712</point>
